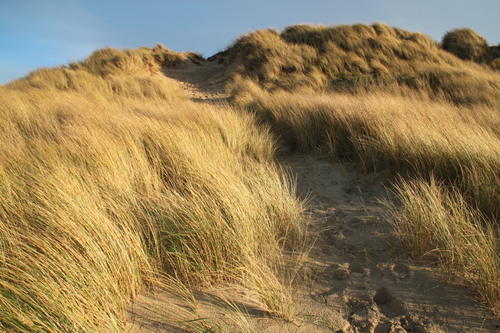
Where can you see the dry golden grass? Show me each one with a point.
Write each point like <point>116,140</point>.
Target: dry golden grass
<point>361,58</point>
<point>416,137</point>
<point>466,44</point>
<point>109,178</point>
<point>436,221</point>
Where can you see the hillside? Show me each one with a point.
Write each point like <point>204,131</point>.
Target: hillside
<point>316,179</point>
<point>362,58</point>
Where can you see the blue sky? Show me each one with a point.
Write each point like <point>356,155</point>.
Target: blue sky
<point>37,33</point>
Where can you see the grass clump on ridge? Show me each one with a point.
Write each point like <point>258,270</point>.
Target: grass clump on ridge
<point>466,44</point>
<point>109,179</point>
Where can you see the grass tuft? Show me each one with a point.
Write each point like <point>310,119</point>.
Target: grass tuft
<point>436,221</point>
<point>466,44</point>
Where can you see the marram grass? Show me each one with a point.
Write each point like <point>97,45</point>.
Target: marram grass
<point>109,182</point>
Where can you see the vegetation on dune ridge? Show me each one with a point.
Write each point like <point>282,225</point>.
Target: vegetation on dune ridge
<point>360,58</point>
<point>130,71</point>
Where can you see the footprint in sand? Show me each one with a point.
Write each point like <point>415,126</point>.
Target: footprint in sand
<point>406,324</point>
<point>383,313</point>
<point>338,272</point>
<point>400,271</point>
<point>356,267</point>
<point>363,313</point>
<point>388,304</point>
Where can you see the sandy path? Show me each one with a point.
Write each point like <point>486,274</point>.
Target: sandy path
<point>356,278</point>
<point>202,80</point>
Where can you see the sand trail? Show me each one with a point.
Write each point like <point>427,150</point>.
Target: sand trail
<point>202,80</point>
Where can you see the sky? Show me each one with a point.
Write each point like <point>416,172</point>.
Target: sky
<point>47,33</point>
